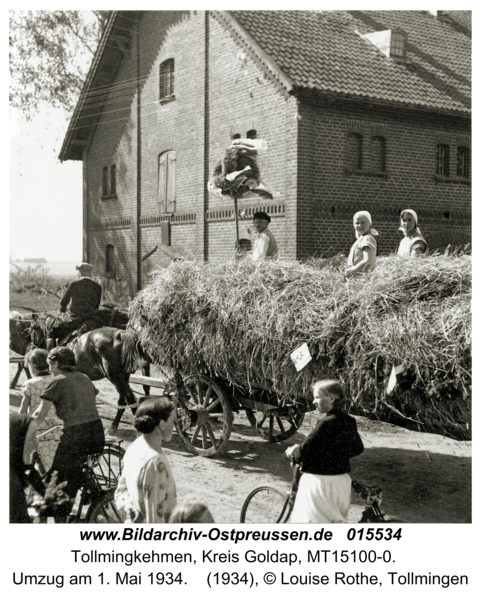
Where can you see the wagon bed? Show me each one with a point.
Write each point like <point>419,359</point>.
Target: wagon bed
<point>206,407</point>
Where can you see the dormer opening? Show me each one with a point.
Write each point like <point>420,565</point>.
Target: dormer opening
<point>391,42</point>
<point>441,15</point>
<point>398,43</point>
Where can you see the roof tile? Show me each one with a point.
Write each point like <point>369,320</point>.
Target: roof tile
<point>321,50</point>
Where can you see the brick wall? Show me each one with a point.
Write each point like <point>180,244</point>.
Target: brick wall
<point>306,159</point>
<point>114,142</point>
<point>329,196</point>
<point>240,92</point>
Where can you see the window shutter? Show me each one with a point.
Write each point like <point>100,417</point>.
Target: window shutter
<point>171,182</point>
<point>113,180</point>
<point>161,189</point>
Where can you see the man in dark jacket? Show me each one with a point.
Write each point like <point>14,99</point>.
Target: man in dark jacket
<point>84,298</point>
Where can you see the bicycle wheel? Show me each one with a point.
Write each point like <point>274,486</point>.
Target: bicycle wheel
<point>266,504</point>
<point>108,467</point>
<point>104,510</point>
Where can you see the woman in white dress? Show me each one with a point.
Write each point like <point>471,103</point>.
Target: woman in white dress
<point>146,489</point>
<point>362,256</point>
<point>413,243</point>
<point>324,493</point>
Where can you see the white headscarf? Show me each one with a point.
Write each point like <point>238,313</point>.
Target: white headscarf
<point>414,215</point>
<point>364,213</point>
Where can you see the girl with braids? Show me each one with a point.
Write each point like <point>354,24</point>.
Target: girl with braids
<point>324,493</point>
<point>146,488</point>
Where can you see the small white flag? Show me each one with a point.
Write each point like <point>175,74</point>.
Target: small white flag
<point>301,356</point>
<point>396,369</point>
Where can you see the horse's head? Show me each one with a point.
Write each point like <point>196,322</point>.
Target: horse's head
<point>39,328</point>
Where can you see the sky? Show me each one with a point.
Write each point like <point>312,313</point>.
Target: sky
<point>45,194</point>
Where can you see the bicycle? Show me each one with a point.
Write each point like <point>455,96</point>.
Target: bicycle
<point>269,504</point>
<point>102,472</point>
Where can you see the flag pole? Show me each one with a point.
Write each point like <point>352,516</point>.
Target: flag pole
<point>236,223</point>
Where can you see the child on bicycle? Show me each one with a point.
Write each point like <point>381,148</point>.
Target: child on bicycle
<point>324,493</point>
<point>32,390</point>
<point>73,395</point>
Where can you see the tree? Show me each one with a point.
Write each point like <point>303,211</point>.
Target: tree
<point>50,54</point>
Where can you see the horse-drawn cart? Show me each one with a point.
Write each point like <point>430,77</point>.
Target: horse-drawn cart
<point>206,407</point>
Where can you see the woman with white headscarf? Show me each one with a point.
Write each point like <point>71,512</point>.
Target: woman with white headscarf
<point>362,256</point>
<point>413,243</point>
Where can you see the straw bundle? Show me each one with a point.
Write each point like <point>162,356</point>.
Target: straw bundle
<point>240,321</point>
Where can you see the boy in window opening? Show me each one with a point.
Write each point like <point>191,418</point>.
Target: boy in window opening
<point>265,245</point>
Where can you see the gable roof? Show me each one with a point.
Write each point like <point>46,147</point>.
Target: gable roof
<point>316,50</point>
<point>325,51</point>
<point>97,86</point>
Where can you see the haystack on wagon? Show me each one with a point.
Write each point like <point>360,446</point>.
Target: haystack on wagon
<point>225,332</point>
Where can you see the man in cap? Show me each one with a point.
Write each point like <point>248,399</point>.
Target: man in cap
<point>84,297</point>
<point>265,245</point>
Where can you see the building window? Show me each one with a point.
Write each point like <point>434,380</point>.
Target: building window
<point>105,182</point>
<point>354,150</point>
<point>463,162</point>
<point>443,160</point>
<point>166,182</point>
<point>378,150</point>
<point>109,258</point>
<point>166,80</point>
<point>251,134</point>
<point>113,180</point>
<point>109,182</point>
<point>398,44</point>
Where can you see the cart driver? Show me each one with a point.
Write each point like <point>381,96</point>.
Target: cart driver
<point>84,297</point>
<point>265,245</point>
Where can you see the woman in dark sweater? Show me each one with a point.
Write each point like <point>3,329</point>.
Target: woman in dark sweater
<point>324,493</point>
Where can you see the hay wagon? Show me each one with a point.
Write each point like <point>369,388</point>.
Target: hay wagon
<point>206,407</point>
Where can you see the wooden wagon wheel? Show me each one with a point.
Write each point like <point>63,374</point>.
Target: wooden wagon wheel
<point>279,424</point>
<point>207,424</point>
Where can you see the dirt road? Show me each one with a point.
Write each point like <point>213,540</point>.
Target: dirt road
<point>426,478</point>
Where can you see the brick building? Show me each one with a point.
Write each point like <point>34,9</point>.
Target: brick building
<point>362,110</point>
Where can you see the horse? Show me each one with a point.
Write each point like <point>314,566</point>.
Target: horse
<point>103,352</point>
<point>19,331</point>
<point>19,342</point>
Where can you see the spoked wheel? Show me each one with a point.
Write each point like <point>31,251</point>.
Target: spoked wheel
<point>104,510</point>
<point>266,504</point>
<point>108,467</point>
<point>278,424</point>
<point>205,424</point>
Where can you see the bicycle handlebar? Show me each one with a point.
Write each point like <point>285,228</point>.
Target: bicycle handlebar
<point>49,430</point>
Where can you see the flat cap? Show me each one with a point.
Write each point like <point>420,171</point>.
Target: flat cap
<point>262,215</point>
<point>84,267</point>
